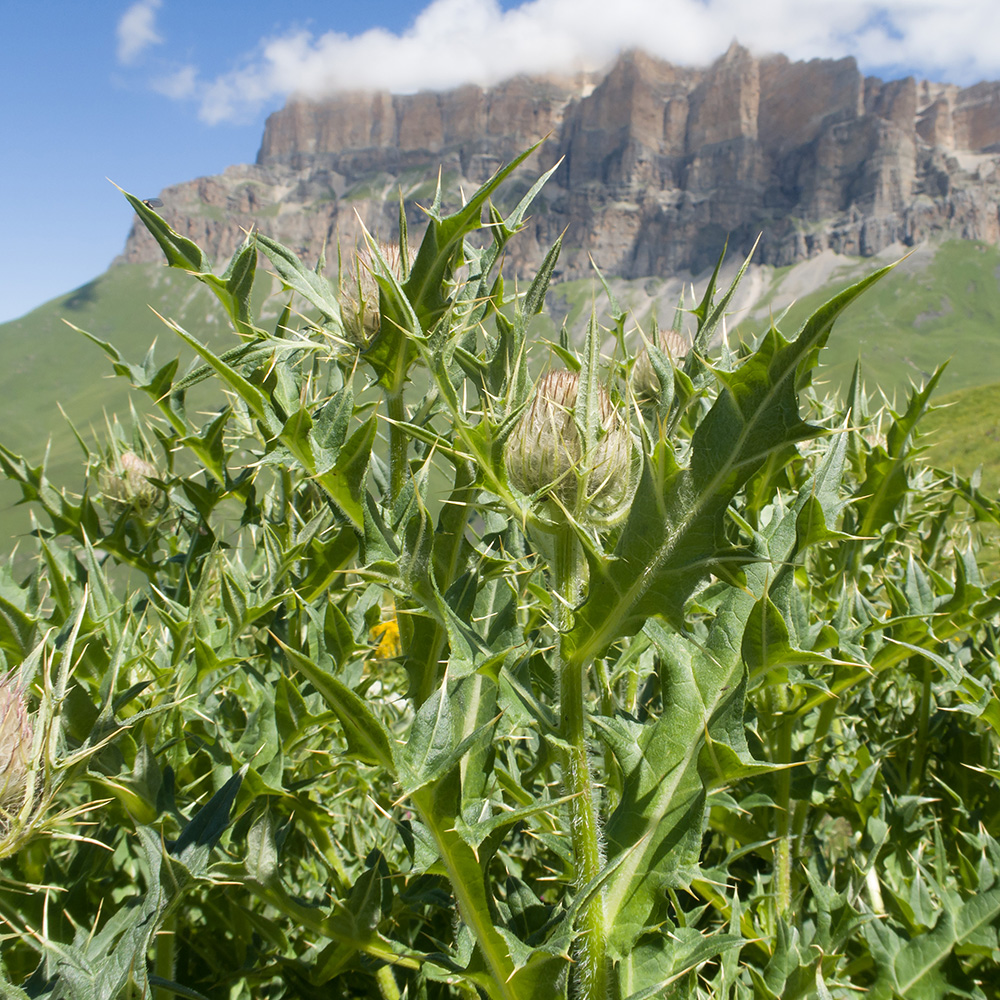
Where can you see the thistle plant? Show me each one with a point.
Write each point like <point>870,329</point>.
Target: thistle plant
<point>360,292</point>
<point>127,487</point>
<point>670,348</point>
<point>550,455</point>
<point>40,759</point>
<point>444,678</point>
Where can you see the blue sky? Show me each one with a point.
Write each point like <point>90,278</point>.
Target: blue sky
<point>82,115</point>
<point>155,92</point>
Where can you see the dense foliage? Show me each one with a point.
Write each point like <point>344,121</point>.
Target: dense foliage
<point>409,671</point>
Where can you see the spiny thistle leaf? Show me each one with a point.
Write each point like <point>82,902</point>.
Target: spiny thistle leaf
<point>672,538</point>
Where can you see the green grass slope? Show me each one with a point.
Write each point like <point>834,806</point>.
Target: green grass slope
<point>940,304</point>
<point>963,434</point>
<point>48,364</point>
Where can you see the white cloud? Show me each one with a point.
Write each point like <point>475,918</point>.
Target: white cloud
<point>137,30</point>
<point>179,84</point>
<point>473,41</point>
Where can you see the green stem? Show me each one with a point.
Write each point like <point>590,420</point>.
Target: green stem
<point>592,967</point>
<point>184,579</point>
<point>783,853</point>
<point>916,768</point>
<point>826,716</point>
<point>802,812</point>
<point>397,443</point>
<point>287,495</point>
<point>387,986</point>
<point>468,885</point>
<point>165,954</point>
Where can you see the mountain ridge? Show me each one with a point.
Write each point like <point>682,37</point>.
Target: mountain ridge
<point>660,164</point>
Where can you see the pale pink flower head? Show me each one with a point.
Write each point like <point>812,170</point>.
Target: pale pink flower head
<point>16,736</point>
<point>126,487</point>
<point>545,454</point>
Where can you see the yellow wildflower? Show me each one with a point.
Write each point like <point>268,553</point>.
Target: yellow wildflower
<point>386,636</point>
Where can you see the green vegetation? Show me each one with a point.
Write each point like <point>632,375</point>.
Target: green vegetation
<point>942,304</point>
<point>47,362</point>
<point>53,378</point>
<point>963,433</point>
<point>383,671</point>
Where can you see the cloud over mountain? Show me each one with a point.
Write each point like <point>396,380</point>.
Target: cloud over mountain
<point>452,42</point>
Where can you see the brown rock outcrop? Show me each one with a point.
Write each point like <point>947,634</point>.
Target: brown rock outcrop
<point>659,164</point>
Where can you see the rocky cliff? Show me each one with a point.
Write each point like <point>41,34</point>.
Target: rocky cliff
<point>659,164</point>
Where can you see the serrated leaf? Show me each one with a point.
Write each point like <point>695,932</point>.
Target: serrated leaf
<point>367,738</point>
<point>179,250</point>
<point>672,538</point>
<point>314,288</point>
<point>916,968</point>
<point>885,482</point>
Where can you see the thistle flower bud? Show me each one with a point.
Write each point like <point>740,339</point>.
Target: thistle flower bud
<point>126,487</point>
<point>16,736</point>
<point>545,455</point>
<point>645,381</point>
<point>359,305</point>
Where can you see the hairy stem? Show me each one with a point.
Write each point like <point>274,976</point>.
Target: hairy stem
<point>397,443</point>
<point>592,967</point>
<point>387,986</point>
<point>783,851</point>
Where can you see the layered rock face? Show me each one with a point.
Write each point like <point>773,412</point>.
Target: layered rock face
<point>659,164</point>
